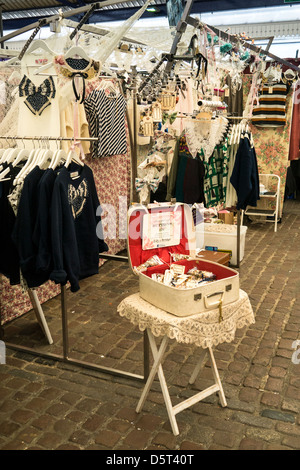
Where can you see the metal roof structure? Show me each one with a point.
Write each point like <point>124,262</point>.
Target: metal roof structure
<point>19,13</point>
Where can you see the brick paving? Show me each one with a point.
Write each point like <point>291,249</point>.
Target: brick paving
<point>53,405</point>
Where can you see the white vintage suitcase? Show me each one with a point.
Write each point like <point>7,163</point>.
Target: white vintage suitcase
<point>161,229</point>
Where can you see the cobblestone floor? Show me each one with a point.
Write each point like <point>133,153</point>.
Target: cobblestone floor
<point>53,405</point>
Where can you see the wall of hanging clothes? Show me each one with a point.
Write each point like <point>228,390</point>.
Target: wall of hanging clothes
<point>206,140</point>
<point>37,106</point>
<point>203,128</point>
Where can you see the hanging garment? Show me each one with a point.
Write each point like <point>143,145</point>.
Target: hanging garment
<point>113,172</point>
<point>9,257</point>
<point>88,69</point>
<point>271,110</point>
<point>73,120</point>
<point>205,135</point>
<point>41,236</point>
<point>190,176</point>
<point>245,178</point>
<point>42,229</point>
<point>186,104</point>
<point>24,228</point>
<point>38,101</point>
<point>73,73</point>
<point>216,172</point>
<point>171,184</point>
<point>76,227</point>
<point>231,197</point>
<point>106,118</point>
<point>235,99</point>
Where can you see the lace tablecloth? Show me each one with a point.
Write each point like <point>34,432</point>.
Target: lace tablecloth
<point>203,329</point>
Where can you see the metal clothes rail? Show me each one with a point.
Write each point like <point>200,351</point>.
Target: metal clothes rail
<point>66,356</point>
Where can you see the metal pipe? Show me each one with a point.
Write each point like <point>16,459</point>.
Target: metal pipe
<point>238,237</point>
<point>65,14</point>
<point>75,362</point>
<point>1,24</point>
<point>113,257</point>
<point>64,320</point>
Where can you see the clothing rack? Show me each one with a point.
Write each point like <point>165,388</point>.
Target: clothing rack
<point>233,39</point>
<point>65,356</point>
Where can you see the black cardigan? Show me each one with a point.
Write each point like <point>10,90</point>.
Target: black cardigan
<point>245,178</point>
<point>74,228</point>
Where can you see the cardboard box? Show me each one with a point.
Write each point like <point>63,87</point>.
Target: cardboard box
<point>226,216</point>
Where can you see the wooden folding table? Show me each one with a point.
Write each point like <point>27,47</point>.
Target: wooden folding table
<point>204,330</point>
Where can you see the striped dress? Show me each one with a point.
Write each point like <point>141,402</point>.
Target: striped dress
<point>271,110</point>
<point>106,117</point>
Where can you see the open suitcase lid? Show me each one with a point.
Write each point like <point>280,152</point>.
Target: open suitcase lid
<point>160,229</point>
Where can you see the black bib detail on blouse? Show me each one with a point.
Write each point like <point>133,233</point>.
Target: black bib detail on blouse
<point>37,97</point>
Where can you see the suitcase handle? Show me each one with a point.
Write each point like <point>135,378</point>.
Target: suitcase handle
<point>216,304</point>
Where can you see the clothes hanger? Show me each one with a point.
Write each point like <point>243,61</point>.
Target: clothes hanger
<point>233,130</point>
<point>72,156</point>
<point>53,158</point>
<point>29,165</point>
<point>237,134</point>
<point>4,173</point>
<point>40,159</point>
<point>12,155</point>
<point>57,158</point>
<point>39,44</point>
<point>1,153</point>
<point>5,155</point>
<point>34,161</point>
<point>9,61</point>
<point>22,155</point>
<point>24,169</point>
<point>77,51</point>
<point>45,158</point>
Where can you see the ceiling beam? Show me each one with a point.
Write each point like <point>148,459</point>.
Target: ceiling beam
<point>65,14</point>
<point>66,3</point>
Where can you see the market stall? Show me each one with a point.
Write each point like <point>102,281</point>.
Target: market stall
<point>93,123</point>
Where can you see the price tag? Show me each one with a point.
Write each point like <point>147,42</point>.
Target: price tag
<point>177,268</point>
